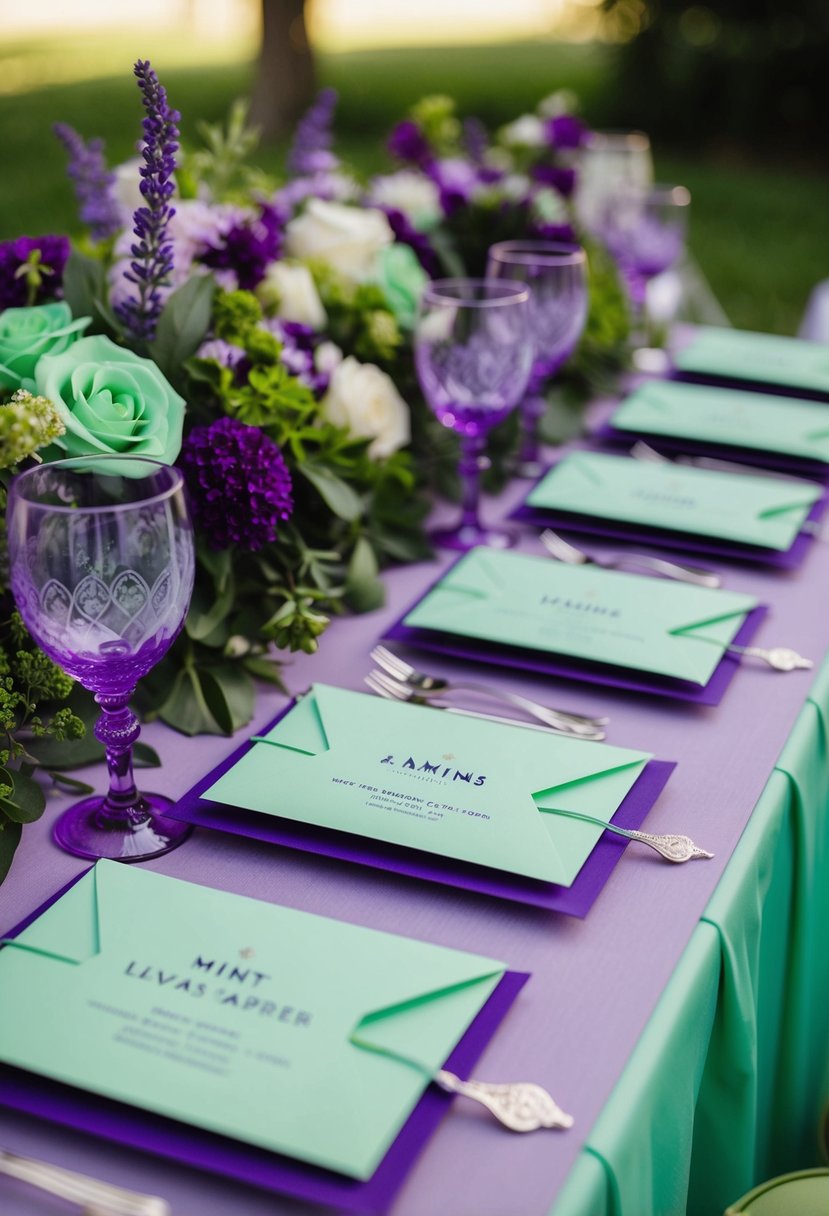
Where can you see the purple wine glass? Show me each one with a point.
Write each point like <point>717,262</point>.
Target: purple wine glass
<point>102,565</point>
<point>556,274</point>
<point>473,354</point>
<point>645,232</point>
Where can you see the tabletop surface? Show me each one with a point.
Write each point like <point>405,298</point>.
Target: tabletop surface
<point>594,982</point>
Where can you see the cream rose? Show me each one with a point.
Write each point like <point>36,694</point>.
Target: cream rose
<point>412,193</point>
<point>347,238</point>
<point>288,288</point>
<point>363,399</point>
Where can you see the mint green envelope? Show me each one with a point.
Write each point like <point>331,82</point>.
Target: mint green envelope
<point>293,1032</point>
<point>766,358</point>
<point>727,416</point>
<point>643,624</point>
<point>458,787</point>
<point>731,506</point>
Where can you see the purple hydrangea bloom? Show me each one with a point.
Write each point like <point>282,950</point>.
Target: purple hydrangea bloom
<point>406,233</point>
<point>249,246</point>
<point>562,180</point>
<point>93,182</point>
<point>408,143</point>
<point>311,150</point>
<point>14,289</point>
<point>456,180</point>
<point>565,131</point>
<point>152,253</point>
<point>240,487</point>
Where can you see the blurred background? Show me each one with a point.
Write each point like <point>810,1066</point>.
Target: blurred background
<point>728,91</point>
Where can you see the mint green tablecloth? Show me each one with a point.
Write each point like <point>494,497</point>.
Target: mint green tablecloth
<point>726,1085</point>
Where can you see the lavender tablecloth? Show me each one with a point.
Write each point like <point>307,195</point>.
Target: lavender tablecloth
<point>595,982</point>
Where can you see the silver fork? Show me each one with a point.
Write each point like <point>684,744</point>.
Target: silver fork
<point>101,1198</point>
<point>422,681</point>
<point>387,686</point>
<point>563,551</point>
<point>644,452</point>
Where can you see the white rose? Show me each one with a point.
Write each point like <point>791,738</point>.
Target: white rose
<point>412,193</point>
<point>363,399</point>
<point>347,238</point>
<point>291,288</point>
<point>327,356</point>
<point>526,132</point>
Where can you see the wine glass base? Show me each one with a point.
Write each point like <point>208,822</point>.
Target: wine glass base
<point>85,831</point>
<point>468,536</point>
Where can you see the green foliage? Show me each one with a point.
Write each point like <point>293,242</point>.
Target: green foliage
<point>221,166</point>
<point>26,424</point>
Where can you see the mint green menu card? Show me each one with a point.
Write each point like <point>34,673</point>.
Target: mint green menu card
<point>728,506</point>
<point>586,612</point>
<point>293,1032</point>
<point>766,358</point>
<point>727,416</point>
<point>459,787</point>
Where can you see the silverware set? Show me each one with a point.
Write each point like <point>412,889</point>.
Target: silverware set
<point>563,551</point>
<point>95,1198</point>
<point>397,680</point>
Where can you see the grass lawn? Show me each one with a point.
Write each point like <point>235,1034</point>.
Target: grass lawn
<point>756,230</point>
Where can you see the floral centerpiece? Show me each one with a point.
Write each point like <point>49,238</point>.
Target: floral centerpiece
<point>260,338</point>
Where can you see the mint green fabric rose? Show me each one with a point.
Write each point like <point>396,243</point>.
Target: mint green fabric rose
<point>402,279</point>
<point>112,401</point>
<point>28,333</point>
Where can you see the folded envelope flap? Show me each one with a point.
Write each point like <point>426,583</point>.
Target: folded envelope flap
<point>70,930</point>
<point>717,627</point>
<point>594,790</point>
<point>302,730</point>
<point>419,1025</point>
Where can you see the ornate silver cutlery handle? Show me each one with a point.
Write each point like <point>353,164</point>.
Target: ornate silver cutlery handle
<point>522,1106</point>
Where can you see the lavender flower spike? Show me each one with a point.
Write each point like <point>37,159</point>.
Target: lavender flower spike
<point>152,263</point>
<point>92,181</point>
<point>311,150</point>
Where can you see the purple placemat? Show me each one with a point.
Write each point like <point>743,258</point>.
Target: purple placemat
<point>163,1137</point>
<point>754,386</point>
<point>575,900</point>
<point>757,458</point>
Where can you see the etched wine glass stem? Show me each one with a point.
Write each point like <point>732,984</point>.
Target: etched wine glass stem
<point>472,464</point>
<point>118,728</point>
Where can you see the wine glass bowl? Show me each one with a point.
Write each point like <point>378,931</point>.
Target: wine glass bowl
<point>610,163</point>
<point>473,355</point>
<point>102,566</point>
<point>556,274</point>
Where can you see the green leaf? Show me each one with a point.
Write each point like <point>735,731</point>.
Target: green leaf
<point>84,284</point>
<point>144,756</point>
<point>186,709</point>
<point>183,324</point>
<point>237,690</point>
<point>208,608</point>
<point>336,493</point>
<point>70,784</point>
<point>363,589</point>
<point>26,802</point>
<point>9,840</point>
<point>264,669</point>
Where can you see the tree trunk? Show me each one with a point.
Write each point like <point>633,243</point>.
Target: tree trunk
<point>285,79</point>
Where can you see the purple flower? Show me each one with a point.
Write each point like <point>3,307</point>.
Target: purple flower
<point>408,143</point>
<point>475,140</point>
<point>240,487</point>
<point>311,150</point>
<point>249,246</point>
<point>152,253</point>
<point>299,343</point>
<point>19,289</point>
<point>406,233</point>
<point>565,131</point>
<point>562,180</point>
<point>93,182</point>
<point>542,231</point>
<point>456,180</point>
